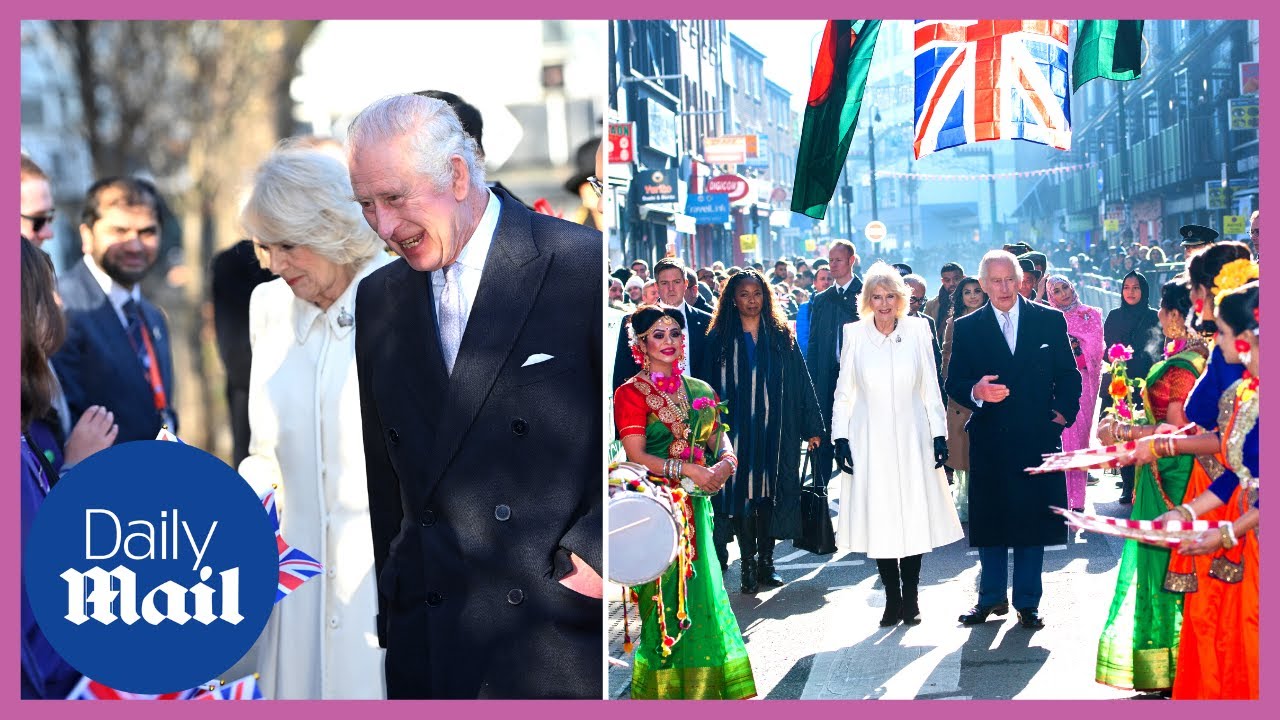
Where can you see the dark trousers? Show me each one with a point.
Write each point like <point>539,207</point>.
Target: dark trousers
<point>753,529</point>
<point>993,586</point>
<point>1126,481</point>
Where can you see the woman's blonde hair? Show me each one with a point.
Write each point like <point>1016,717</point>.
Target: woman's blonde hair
<point>883,275</point>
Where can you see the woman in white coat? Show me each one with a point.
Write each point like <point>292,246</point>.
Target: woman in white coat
<point>889,429</point>
<point>304,413</point>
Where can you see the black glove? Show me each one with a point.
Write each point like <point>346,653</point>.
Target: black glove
<point>940,453</point>
<point>844,458</point>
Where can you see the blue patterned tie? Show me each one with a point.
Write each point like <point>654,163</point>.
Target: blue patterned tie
<point>133,316</point>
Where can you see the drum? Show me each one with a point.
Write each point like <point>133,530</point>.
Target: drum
<point>644,527</point>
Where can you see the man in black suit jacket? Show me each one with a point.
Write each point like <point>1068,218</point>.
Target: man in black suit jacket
<point>1011,364</point>
<point>672,279</point>
<point>236,272</point>
<point>478,356</point>
<point>117,349</point>
<point>919,289</point>
<point>829,311</point>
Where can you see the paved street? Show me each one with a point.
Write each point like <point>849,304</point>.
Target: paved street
<point>818,636</point>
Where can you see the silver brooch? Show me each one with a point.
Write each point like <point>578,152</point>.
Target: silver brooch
<point>345,319</point>
<point>897,338</point>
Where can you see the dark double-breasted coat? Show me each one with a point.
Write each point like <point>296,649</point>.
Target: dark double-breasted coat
<point>1008,506</point>
<point>482,482</point>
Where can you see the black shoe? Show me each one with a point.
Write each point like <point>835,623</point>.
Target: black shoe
<point>767,576</point>
<point>1079,509</point>
<point>892,612</point>
<point>1126,501</point>
<point>978,615</point>
<point>1030,618</point>
<point>910,613</point>
<point>750,584</point>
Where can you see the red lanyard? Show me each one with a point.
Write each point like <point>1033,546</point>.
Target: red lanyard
<point>153,367</point>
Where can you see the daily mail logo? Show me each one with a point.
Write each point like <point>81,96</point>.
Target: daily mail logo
<point>102,592</point>
<point>146,547</point>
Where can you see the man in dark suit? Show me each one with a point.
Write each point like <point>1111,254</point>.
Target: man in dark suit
<point>235,273</point>
<point>673,282</point>
<point>478,356</point>
<point>1011,364</point>
<point>829,311</point>
<point>919,294</point>
<point>117,350</point>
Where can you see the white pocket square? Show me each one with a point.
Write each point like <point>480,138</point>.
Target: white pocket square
<point>1044,346</point>
<point>536,358</point>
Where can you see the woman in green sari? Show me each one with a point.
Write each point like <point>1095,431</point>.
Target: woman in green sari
<point>1139,644</point>
<point>690,646</point>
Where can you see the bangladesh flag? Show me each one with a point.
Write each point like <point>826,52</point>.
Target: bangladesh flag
<point>1109,49</point>
<point>835,99</point>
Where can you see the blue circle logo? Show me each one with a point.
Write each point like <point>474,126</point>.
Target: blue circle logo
<point>152,567</point>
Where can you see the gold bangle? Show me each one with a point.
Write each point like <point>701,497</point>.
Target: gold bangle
<point>1184,512</point>
<point>1154,448</point>
<point>1170,448</point>
<point>1227,542</point>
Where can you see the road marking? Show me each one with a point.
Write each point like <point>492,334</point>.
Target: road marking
<point>811,566</point>
<point>1048,548</point>
<point>792,556</point>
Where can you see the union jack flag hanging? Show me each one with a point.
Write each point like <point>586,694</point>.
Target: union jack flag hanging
<point>88,689</point>
<point>246,688</point>
<point>296,567</point>
<point>167,436</point>
<point>982,80</point>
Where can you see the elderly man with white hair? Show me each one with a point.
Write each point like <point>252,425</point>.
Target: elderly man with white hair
<point>1011,364</point>
<point>479,358</point>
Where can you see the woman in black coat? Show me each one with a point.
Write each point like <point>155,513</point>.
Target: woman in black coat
<point>754,364</point>
<point>1136,324</point>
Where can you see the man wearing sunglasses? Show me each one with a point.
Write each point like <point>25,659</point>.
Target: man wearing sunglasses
<point>36,204</point>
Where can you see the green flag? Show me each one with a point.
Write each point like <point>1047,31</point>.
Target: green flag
<point>835,98</point>
<point>1109,49</point>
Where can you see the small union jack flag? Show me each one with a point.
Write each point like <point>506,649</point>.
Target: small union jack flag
<point>168,436</point>
<point>246,688</point>
<point>88,689</point>
<point>991,79</point>
<point>296,567</point>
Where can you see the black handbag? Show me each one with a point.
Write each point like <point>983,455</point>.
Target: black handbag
<point>818,536</point>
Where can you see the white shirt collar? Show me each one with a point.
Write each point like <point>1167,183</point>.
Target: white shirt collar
<point>115,292</point>
<point>306,314</point>
<point>1013,311</point>
<point>845,287</point>
<point>476,251</point>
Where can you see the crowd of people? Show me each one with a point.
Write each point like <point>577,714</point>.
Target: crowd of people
<point>927,412</point>
<point>384,399</point>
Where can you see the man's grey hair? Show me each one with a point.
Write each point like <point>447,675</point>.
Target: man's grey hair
<point>984,267</point>
<point>302,197</point>
<point>916,280</point>
<point>432,129</point>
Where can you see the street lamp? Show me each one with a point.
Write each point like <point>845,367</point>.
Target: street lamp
<point>875,205</point>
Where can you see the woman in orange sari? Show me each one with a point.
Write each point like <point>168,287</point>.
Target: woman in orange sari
<point>1218,653</point>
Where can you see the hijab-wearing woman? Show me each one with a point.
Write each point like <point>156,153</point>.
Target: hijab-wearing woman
<point>967,297</point>
<point>753,362</point>
<point>690,645</point>
<point>1139,644</point>
<point>1135,324</point>
<point>1084,328</point>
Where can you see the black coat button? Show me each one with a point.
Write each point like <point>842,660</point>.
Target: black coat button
<point>434,599</point>
<point>515,597</point>
<point>393,436</point>
<point>502,513</point>
<point>428,518</point>
<point>519,427</point>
